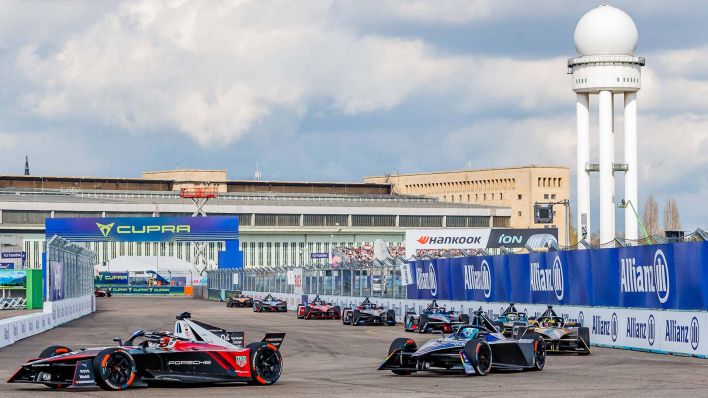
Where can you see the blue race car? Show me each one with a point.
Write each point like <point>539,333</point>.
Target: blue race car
<point>434,317</point>
<point>476,348</point>
<point>510,319</point>
<point>270,304</point>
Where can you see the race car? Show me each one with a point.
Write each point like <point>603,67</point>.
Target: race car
<point>190,355</point>
<point>270,304</point>
<point>370,314</point>
<point>318,309</point>
<point>509,319</point>
<point>434,317</point>
<point>560,335</point>
<point>99,292</point>
<point>239,300</point>
<point>476,348</point>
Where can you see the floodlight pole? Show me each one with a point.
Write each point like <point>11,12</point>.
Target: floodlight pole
<point>566,203</point>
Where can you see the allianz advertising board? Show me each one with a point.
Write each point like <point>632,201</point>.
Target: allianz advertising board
<point>144,229</point>
<point>669,276</point>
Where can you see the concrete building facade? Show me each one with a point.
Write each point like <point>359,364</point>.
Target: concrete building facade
<point>517,188</point>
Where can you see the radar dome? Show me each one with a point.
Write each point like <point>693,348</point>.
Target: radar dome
<point>606,30</point>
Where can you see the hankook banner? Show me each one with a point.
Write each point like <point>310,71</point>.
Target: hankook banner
<point>477,238</point>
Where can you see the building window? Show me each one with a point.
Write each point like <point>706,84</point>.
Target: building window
<point>520,196</point>
<point>553,196</point>
<point>545,196</point>
<point>519,214</point>
<point>502,222</point>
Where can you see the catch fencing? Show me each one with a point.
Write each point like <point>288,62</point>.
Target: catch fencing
<point>69,270</point>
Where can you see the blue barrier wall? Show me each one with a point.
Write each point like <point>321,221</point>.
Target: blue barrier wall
<point>669,276</point>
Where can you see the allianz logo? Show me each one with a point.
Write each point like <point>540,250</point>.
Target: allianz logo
<point>604,327</point>
<point>427,280</point>
<point>479,279</point>
<point>646,278</point>
<point>641,330</point>
<point>677,332</point>
<point>548,279</point>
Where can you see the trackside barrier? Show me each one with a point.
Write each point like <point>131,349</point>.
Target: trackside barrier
<point>659,331</point>
<point>54,313</point>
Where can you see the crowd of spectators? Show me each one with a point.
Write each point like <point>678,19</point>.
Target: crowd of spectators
<point>365,253</point>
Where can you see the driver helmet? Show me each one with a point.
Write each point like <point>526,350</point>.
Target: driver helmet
<point>548,322</point>
<point>469,333</point>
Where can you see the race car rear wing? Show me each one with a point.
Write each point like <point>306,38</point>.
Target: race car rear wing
<point>274,338</point>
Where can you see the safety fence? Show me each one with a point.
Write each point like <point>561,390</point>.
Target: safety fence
<point>375,279</point>
<point>69,269</point>
<point>651,297</point>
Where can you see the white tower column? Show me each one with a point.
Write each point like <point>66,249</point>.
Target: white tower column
<point>607,205</point>
<point>583,176</point>
<point>630,157</point>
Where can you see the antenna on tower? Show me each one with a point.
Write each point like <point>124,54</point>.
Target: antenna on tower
<point>27,172</point>
<point>258,173</point>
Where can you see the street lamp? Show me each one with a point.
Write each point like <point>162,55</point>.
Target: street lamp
<point>623,205</point>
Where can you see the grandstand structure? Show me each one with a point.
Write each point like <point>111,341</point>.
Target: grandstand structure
<point>281,223</point>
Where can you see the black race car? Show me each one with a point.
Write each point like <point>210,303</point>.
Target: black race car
<point>270,304</point>
<point>434,317</point>
<point>368,313</point>
<point>510,319</point>
<point>476,348</point>
<point>560,335</point>
<point>152,358</point>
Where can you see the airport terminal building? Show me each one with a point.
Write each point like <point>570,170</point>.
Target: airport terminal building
<point>281,223</point>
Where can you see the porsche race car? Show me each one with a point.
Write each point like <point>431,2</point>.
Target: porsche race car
<point>560,335</point>
<point>239,300</point>
<point>189,355</point>
<point>509,319</point>
<point>476,348</point>
<point>318,309</point>
<point>434,317</point>
<point>368,313</point>
<point>270,304</point>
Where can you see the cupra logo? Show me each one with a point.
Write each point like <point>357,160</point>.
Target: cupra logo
<point>105,228</point>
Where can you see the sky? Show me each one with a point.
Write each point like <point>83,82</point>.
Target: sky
<point>337,90</point>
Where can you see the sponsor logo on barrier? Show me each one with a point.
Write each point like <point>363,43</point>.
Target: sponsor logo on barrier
<point>605,328</point>
<point>641,330</point>
<point>449,240</point>
<point>548,279</point>
<point>479,279</point>
<point>646,278</point>
<point>581,318</point>
<point>427,280</point>
<point>682,333</point>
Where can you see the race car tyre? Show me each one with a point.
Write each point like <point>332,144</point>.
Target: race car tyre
<point>539,349</point>
<point>256,308</point>
<point>391,318</point>
<point>347,316</point>
<point>266,363</point>
<point>356,317</point>
<point>229,303</point>
<point>108,293</point>
<point>114,369</point>
<point>337,312</point>
<point>465,319</point>
<point>300,311</point>
<point>479,354</point>
<point>422,324</point>
<point>307,312</point>
<point>53,351</point>
<point>402,344</point>
<point>584,334</point>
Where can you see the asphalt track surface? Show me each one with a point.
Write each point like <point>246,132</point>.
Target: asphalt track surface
<point>323,358</point>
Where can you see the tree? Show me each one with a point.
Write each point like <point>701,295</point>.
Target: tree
<point>651,216</point>
<point>672,219</point>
